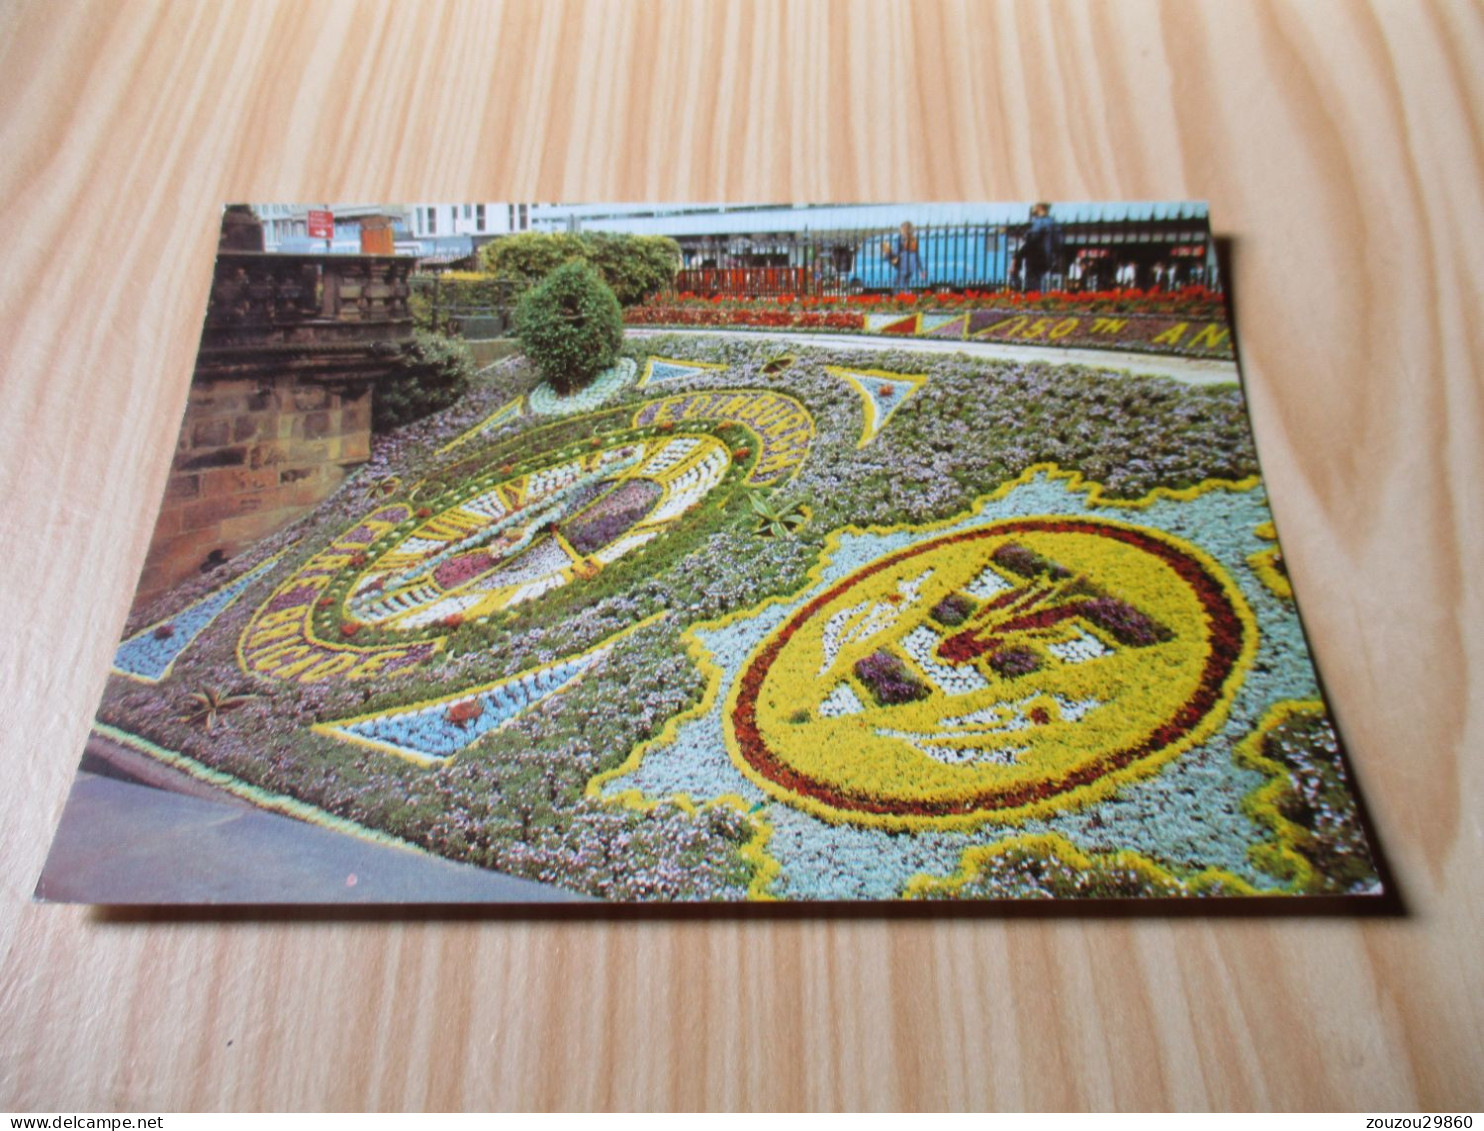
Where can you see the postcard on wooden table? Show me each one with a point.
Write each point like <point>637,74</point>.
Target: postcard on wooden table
<point>526,553</point>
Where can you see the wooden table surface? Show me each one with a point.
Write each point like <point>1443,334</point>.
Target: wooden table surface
<point>1340,147</point>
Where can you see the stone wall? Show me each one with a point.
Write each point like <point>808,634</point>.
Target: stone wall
<point>280,405</point>
<point>252,456</point>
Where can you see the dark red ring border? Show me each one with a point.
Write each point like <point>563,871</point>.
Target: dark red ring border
<point>1227,635</point>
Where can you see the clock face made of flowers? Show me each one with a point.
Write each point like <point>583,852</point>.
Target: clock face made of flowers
<point>498,540</point>
<point>522,537</point>
<point>997,673</point>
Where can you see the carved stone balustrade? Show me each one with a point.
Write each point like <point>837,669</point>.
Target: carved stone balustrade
<point>261,299</point>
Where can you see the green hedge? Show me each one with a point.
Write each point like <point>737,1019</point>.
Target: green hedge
<point>635,267</point>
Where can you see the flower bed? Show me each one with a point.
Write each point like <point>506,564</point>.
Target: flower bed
<point>743,316</point>
<point>546,401</point>
<point>1195,301</point>
<point>822,626</point>
<point>1191,322</point>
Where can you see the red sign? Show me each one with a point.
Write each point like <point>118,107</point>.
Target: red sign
<point>321,225</point>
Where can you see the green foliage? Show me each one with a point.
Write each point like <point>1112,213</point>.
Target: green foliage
<point>210,703</point>
<point>570,326</point>
<point>434,297</point>
<point>635,267</point>
<point>528,257</point>
<point>775,519</point>
<point>420,304</point>
<point>429,374</point>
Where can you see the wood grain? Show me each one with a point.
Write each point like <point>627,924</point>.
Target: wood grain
<point>1340,146</point>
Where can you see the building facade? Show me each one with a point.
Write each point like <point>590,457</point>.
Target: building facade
<point>433,233</point>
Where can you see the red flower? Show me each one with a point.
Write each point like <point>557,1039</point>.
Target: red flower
<point>741,453</point>
<point>349,628</point>
<point>424,512</point>
<point>465,712</point>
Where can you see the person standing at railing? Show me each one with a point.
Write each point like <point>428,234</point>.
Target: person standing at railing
<point>1041,252</point>
<point>902,254</point>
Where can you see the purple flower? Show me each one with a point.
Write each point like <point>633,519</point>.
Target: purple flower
<point>1012,662</point>
<point>1124,622</point>
<point>889,680</point>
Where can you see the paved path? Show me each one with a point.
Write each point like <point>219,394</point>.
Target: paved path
<point>1191,370</point>
<point>120,842</point>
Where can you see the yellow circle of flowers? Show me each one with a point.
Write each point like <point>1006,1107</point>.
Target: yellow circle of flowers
<point>982,745</point>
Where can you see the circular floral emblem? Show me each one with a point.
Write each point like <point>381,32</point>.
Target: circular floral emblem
<point>993,674</point>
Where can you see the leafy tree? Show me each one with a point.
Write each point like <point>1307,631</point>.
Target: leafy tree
<point>571,326</point>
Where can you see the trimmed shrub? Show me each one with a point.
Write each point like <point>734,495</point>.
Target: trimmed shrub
<point>571,326</point>
<point>635,267</point>
<point>528,257</point>
<point>429,374</point>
